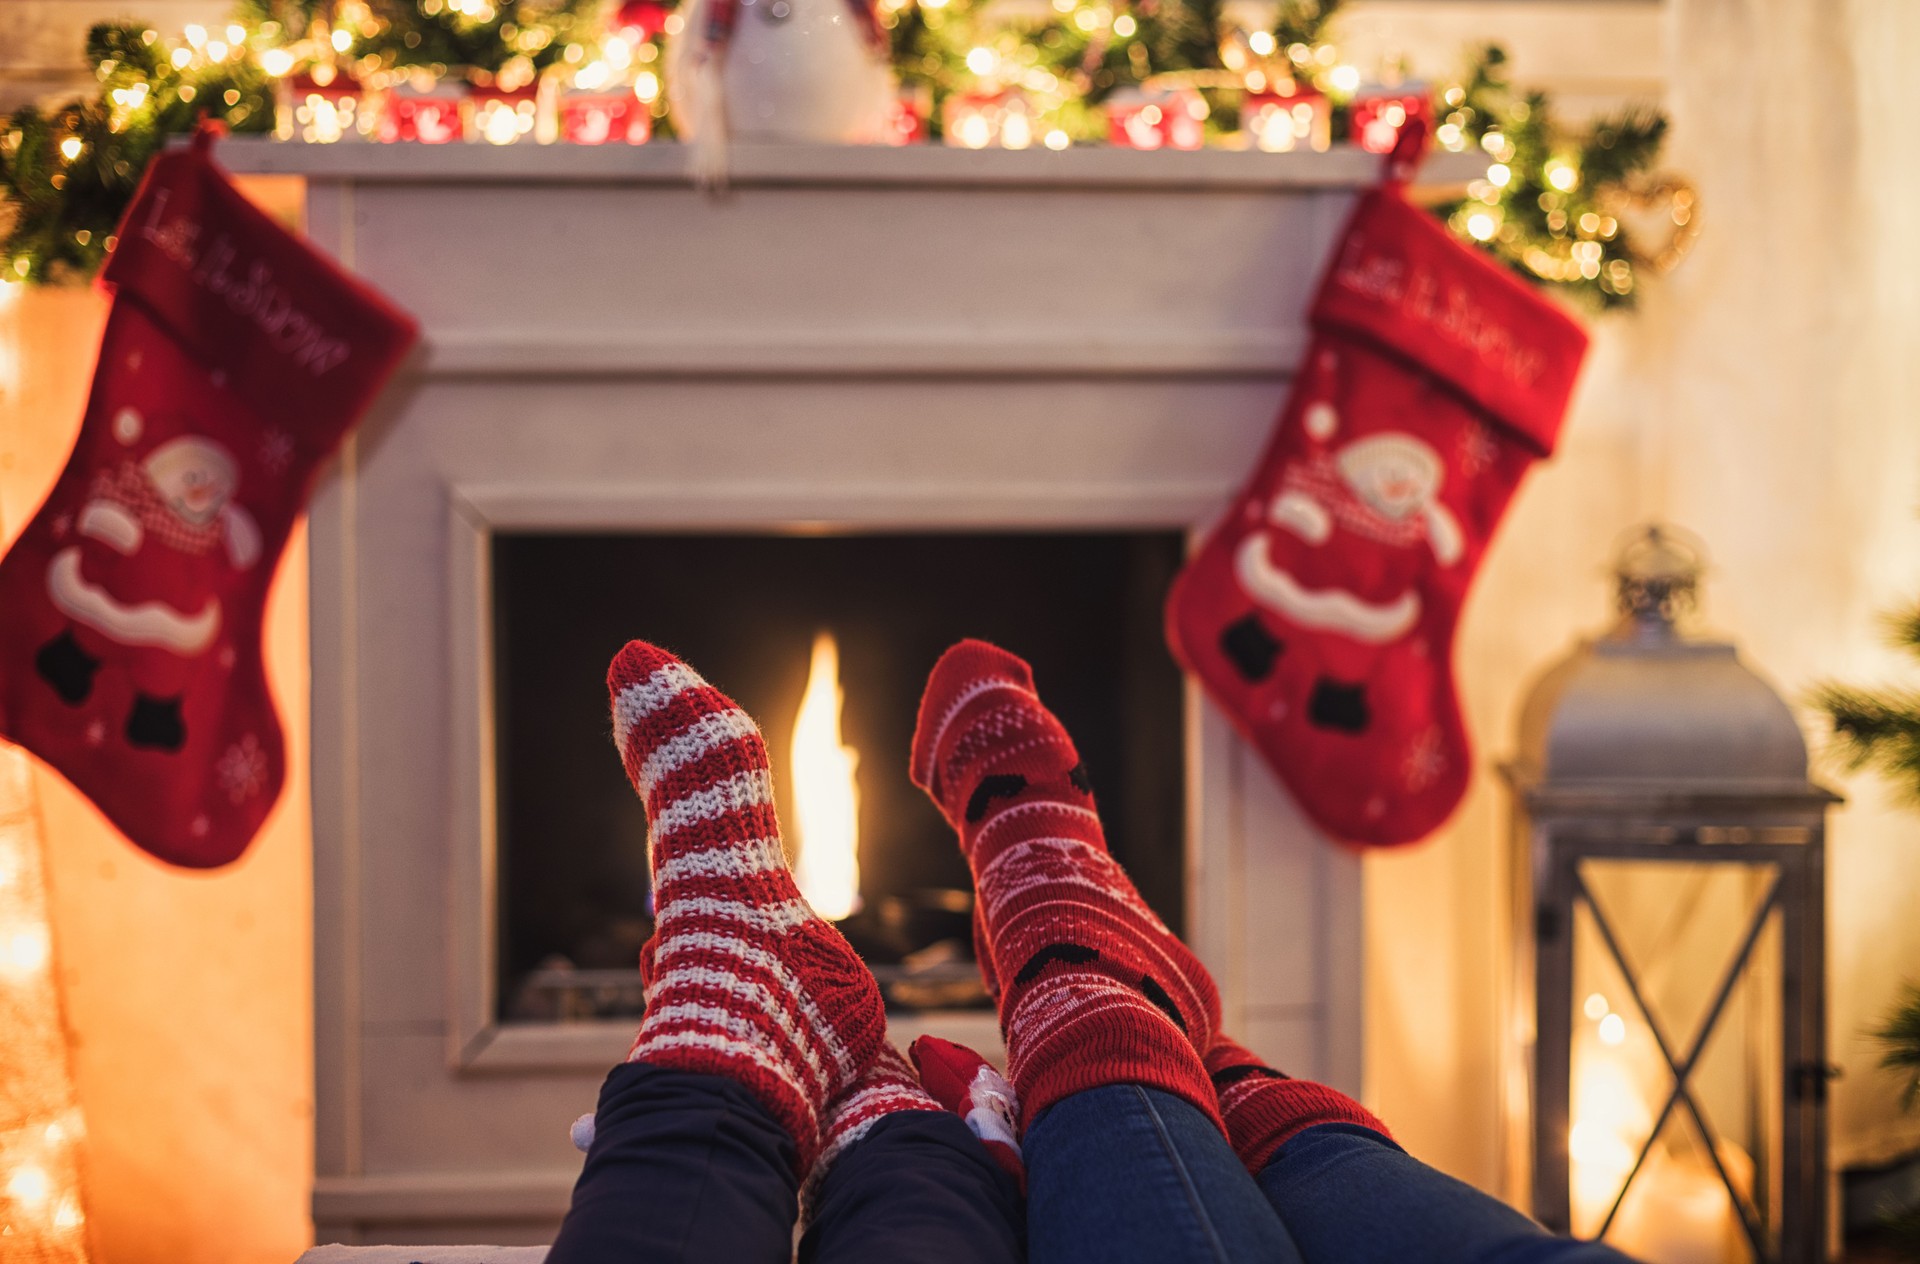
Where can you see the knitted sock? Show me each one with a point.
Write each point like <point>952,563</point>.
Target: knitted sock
<point>1093,989</point>
<point>889,1086</point>
<point>742,978</point>
<point>1265,1109</point>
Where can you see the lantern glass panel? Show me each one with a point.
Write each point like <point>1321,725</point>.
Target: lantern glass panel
<point>1677,965</point>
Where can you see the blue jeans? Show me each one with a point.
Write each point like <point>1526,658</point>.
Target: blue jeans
<point>688,1167</point>
<point>1125,1173</point>
<point>1350,1196</point>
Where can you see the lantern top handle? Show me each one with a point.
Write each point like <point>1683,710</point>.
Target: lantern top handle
<point>1656,575</point>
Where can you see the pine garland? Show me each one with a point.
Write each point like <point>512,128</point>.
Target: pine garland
<point>1901,1036</point>
<point>1553,208</point>
<point>1879,728</point>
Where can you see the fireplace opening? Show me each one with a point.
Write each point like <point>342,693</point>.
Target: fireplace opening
<point>755,614</point>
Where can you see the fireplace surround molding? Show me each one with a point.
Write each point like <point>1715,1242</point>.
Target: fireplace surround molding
<point>853,340</point>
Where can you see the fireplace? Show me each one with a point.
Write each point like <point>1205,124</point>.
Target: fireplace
<point>1076,350</point>
<point>750,611</point>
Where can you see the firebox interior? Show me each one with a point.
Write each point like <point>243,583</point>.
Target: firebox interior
<point>1083,608</point>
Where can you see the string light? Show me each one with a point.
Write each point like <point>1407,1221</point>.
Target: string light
<point>41,1212</point>
<point>1052,76</point>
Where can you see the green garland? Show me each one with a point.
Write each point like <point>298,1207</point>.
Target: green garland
<point>1555,206</point>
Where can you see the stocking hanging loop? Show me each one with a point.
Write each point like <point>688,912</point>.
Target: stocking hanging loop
<point>1408,152</point>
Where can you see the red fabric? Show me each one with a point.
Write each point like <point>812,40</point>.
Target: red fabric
<point>1264,1109</point>
<point>1319,614</point>
<point>743,979</point>
<point>235,360</point>
<point>965,1083</point>
<point>1092,987</point>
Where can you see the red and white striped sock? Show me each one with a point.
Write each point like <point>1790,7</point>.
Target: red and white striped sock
<point>888,1087</point>
<point>742,978</point>
<point>1093,988</point>
<point>1265,1109</point>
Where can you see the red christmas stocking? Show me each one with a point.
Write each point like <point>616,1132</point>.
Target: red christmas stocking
<point>1320,613</point>
<point>235,360</point>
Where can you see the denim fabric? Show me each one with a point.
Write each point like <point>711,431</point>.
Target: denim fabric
<point>683,1167</point>
<point>918,1189</point>
<point>1350,1196</point>
<point>1124,1173</point>
<point>691,1168</point>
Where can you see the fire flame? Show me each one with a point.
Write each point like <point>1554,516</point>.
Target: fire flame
<point>826,799</point>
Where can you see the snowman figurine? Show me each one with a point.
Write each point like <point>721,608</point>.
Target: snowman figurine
<point>777,70</point>
<point>157,538</point>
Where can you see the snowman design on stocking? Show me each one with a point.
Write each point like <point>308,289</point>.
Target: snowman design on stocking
<point>136,582</point>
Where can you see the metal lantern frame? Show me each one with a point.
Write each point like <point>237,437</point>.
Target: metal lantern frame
<point>1646,747</point>
<point>1783,835</point>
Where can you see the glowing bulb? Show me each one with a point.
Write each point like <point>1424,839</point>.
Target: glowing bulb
<point>1613,1030</point>
<point>24,951</point>
<point>342,40</point>
<point>826,798</point>
<point>1481,226</point>
<point>981,61</point>
<point>276,62</point>
<point>1016,132</point>
<point>29,1185</point>
<point>1499,174</point>
<point>70,148</point>
<point>1596,1007</point>
<point>180,58</point>
<point>236,34</point>
<point>1124,26</point>
<point>1344,78</point>
<point>646,86</point>
<point>196,34</point>
<point>1562,177</point>
<point>1057,139</point>
<point>974,132</point>
<point>1261,42</point>
<point>216,50</point>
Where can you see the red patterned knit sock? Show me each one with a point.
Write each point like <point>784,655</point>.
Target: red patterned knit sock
<point>1093,989</point>
<point>742,978</point>
<point>889,1086</point>
<point>1265,1109</point>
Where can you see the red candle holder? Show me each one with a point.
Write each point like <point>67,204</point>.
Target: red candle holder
<point>501,116</point>
<point>1281,122</point>
<point>1157,118</point>
<point>322,113</point>
<point>604,118</point>
<point>985,120</point>
<point>426,116</point>
<point>1378,115</point>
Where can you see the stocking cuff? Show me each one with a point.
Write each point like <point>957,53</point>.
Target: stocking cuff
<point>1263,1113</point>
<point>1402,280</point>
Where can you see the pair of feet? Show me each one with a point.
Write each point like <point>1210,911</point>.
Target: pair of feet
<point>743,979</point>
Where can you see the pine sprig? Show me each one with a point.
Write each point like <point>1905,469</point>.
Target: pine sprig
<point>1901,1036</point>
<point>1879,727</point>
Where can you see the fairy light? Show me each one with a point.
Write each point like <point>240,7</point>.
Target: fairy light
<point>981,61</point>
<point>1344,79</point>
<point>72,147</point>
<point>1261,42</point>
<point>1481,225</point>
<point>41,1212</point>
<point>1058,139</point>
<point>277,62</point>
<point>1124,26</point>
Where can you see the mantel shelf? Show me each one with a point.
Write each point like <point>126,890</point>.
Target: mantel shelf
<point>752,166</point>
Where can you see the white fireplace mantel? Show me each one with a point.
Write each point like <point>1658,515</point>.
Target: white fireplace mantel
<point>852,339</point>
